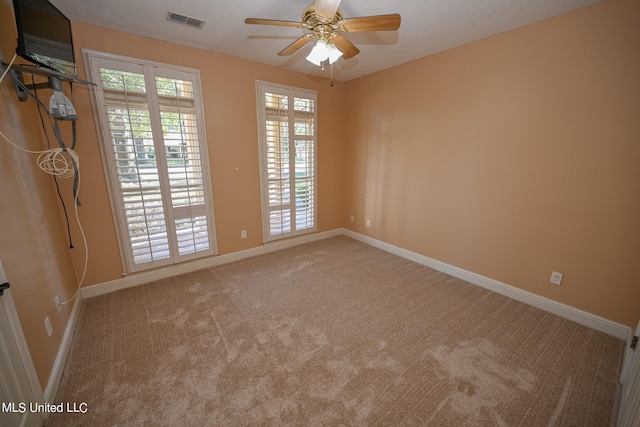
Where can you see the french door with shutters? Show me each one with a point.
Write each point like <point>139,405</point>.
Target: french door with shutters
<point>155,152</point>
<point>287,121</point>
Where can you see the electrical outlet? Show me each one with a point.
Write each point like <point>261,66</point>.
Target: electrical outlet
<point>352,218</point>
<point>243,234</point>
<point>47,324</point>
<point>368,223</point>
<point>58,305</point>
<point>556,278</point>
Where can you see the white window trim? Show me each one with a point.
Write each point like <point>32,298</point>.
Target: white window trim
<point>98,103</point>
<point>261,87</point>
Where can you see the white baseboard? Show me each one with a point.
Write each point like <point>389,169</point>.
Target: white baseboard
<point>566,311</point>
<point>55,377</point>
<point>136,279</point>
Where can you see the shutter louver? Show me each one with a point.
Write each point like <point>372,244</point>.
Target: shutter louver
<point>136,164</point>
<point>157,163</point>
<point>180,136</point>
<point>278,173</point>
<point>304,163</point>
<point>288,169</point>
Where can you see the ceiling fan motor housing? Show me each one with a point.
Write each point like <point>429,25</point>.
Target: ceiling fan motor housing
<point>321,26</point>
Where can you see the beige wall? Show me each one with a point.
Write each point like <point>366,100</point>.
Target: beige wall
<point>34,248</point>
<point>512,157</point>
<point>229,98</point>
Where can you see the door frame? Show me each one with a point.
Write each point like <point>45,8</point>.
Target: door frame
<point>629,410</point>
<point>18,358</point>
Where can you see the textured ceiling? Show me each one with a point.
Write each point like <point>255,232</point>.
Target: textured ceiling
<point>428,26</point>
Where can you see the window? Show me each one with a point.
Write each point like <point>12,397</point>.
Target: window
<point>155,155</point>
<point>287,132</point>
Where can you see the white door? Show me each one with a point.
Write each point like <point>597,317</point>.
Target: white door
<point>19,386</point>
<point>629,414</point>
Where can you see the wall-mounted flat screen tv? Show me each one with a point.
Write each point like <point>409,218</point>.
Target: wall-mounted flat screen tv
<point>44,35</point>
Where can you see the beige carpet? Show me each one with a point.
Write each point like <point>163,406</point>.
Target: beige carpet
<point>333,333</point>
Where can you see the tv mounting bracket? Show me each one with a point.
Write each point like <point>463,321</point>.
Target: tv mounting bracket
<point>59,105</point>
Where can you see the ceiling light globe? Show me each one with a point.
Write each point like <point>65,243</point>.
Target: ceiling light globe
<point>334,53</point>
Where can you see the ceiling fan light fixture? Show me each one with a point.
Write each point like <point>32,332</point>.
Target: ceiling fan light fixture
<point>319,53</point>
<point>324,20</point>
<point>323,51</point>
<point>334,53</point>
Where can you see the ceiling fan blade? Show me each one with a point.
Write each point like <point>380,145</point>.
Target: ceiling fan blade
<point>274,22</point>
<point>327,8</point>
<point>389,22</point>
<point>293,47</point>
<point>348,49</point>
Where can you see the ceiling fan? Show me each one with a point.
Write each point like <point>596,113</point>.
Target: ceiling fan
<point>326,23</point>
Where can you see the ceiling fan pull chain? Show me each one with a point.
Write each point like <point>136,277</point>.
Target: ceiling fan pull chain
<point>331,75</point>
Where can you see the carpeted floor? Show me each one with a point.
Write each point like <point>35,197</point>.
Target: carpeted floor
<point>332,333</point>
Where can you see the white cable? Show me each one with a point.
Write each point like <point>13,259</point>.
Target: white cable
<point>8,67</point>
<point>3,135</point>
<point>55,162</point>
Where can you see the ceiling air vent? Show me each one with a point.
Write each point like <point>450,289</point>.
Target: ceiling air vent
<point>185,20</point>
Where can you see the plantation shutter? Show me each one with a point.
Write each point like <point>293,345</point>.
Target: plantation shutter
<point>156,155</point>
<point>287,120</point>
